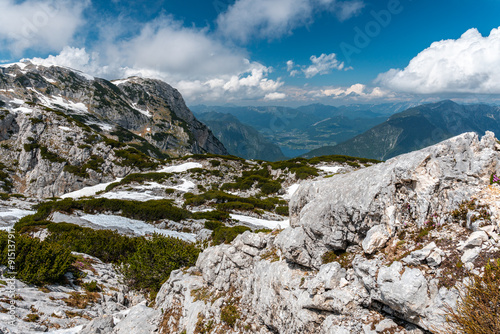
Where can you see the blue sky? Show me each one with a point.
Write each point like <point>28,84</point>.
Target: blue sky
<point>287,52</point>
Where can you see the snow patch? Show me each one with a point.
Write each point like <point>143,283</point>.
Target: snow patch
<point>142,111</point>
<point>89,191</point>
<point>85,75</point>
<point>103,126</point>
<point>180,168</point>
<point>119,82</point>
<point>23,110</point>
<point>50,80</point>
<point>59,101</point>
<point>131,195</point>
<point>136,226</point>
<point>65,128</point>
<point>272,224</point>
<point>73,330</point>
<point>8,216</point>
<point>17,101</point>
<point>185,186</point>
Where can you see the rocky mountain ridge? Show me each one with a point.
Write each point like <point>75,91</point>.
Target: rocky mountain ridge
<point>61,130</point>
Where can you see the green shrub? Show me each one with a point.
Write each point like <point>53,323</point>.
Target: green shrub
<point>214,163</point>
<point>226,234</point>
<point>148,211</point>
<point>109,246</point>
<point>304,172</point>
<point>5,179</point>
<point>282,210</point>
<point>36,120</point>
<point>213,225</point>
<point>38,262</point>
<point>91,286</point>
<point>52,157</point>
<point>229,314</point>
<point>134,158</point>
<point>27,225</point>
<point>30,147</point>
<point>229,206</point>
<point>150,266</point>
<point>222,197</point>
<point>213,215</point>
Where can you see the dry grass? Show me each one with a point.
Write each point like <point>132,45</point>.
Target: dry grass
<point>81,300</point>
<point>478,308</point>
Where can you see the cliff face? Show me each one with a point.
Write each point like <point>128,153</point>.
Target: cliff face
<point>369,251</point>
<point>61,130</point>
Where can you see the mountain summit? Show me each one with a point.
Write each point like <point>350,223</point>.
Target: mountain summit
<point>61,129</point>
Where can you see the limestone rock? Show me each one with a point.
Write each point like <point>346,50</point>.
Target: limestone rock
<point>376,238</point>
<point>336,212</point>
<point>476,239</point>
<point>470,254</point>
<point>101,325</point>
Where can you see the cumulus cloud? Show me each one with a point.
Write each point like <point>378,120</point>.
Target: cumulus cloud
<point>251,82</point>
<point>275,96</point>
<point>470,64</point>
<point>45,25</point>
<point>356,91</point>
<point>169,47</point>
<point>73,58</point>
<point>323,64</point>
<point>271,19</point>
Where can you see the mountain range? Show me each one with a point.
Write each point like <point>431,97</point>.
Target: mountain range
<point>299,130</point>
<point>416,128</point>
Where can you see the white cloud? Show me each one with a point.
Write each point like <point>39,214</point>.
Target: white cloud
<point>251,82</point>
<point>167,46</point>
<point>271,19</point>
<point>45,25</point>
<point>275,96</point>
<point>348,9</point>
<point>356,91</point>
<point>470,64</point>
<point>323,64</point>
<point>71,57</point>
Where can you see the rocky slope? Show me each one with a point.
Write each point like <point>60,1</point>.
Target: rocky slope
<point>371,251</point>
<point>191,183</point>
<point>416,128</point>
<point>61,130</point>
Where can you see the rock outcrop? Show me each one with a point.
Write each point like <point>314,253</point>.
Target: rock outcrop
<point>369,206</point>
<point>372,251</point>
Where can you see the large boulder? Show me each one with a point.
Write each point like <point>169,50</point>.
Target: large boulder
<point>368,206</point>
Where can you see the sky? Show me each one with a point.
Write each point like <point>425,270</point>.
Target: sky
<point>270,52</point>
